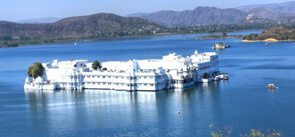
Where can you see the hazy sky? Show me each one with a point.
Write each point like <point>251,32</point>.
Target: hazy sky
<point>16,10</point>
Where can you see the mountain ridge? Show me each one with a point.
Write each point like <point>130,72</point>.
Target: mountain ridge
<point>96,25</point>
<point>200,15</point>
<point>282,7</point>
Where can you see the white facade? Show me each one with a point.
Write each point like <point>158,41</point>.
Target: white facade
<point>172,71</point>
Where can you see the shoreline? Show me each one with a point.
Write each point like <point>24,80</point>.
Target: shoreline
<point>249,41</point>
<point>66,41</point>
<point>219,37</point>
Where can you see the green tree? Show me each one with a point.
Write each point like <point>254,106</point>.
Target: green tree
<point>220,43</point>
<point>29,71</point>
<point>35,70</point>
<point>96,65</point>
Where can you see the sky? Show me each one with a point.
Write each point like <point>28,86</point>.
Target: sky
<point>17,10</point>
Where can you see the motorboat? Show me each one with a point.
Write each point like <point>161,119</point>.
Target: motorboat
<point>271,86</point>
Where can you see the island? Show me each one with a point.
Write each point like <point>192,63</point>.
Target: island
<point>272,35</point>
<point>223,36</point>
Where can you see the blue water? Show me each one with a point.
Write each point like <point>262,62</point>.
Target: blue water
<point>241,102</point>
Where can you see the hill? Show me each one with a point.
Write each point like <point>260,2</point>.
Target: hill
<point>278,16</point>
<point>273,34</point>
<point>266,13</point>
<point>98,25</point>
<point>281,7</point>
<point>270,14</point>
<point>103,25</point>
<point>198,16</point>
<point>137,14</point>
<point>253,19</point>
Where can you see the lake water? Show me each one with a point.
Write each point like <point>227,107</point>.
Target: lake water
<point>241,102</point>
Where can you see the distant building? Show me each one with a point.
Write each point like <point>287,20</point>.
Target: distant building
<point>220,45</point>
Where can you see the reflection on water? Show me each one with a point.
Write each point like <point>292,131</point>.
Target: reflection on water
<point>108,109</point>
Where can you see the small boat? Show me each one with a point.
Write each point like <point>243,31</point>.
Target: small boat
<point>206,80</point>
<point>178,112</point>
<point>75,43</point>
<point>271,86</point>
<point>266,44</point>
<point>223,76</point>
<point>216,78</point>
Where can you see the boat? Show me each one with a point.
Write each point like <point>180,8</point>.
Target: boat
<point>223,76</point>
<point>266,44</point>
<point>271,86</point>
<point>216,78</point>
<point>206,80</point>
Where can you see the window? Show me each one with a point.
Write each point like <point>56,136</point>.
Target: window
<point>122,84</point>
<point>103,83</point>
<point>122,77</point>
<point>145,84</point>
<point>135,84</point>
<point>83,76</point>
<point>109,76</point>
<point>98,76</point>
<point>117,84</point>
<point>110,83</point>
<point>93,83</point>
<point>151,85</point>
<point>103,76</point>
<point>151,77</point>
<point>145,77</point>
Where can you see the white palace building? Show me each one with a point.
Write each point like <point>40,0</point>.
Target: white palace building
<point>172,71</point>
